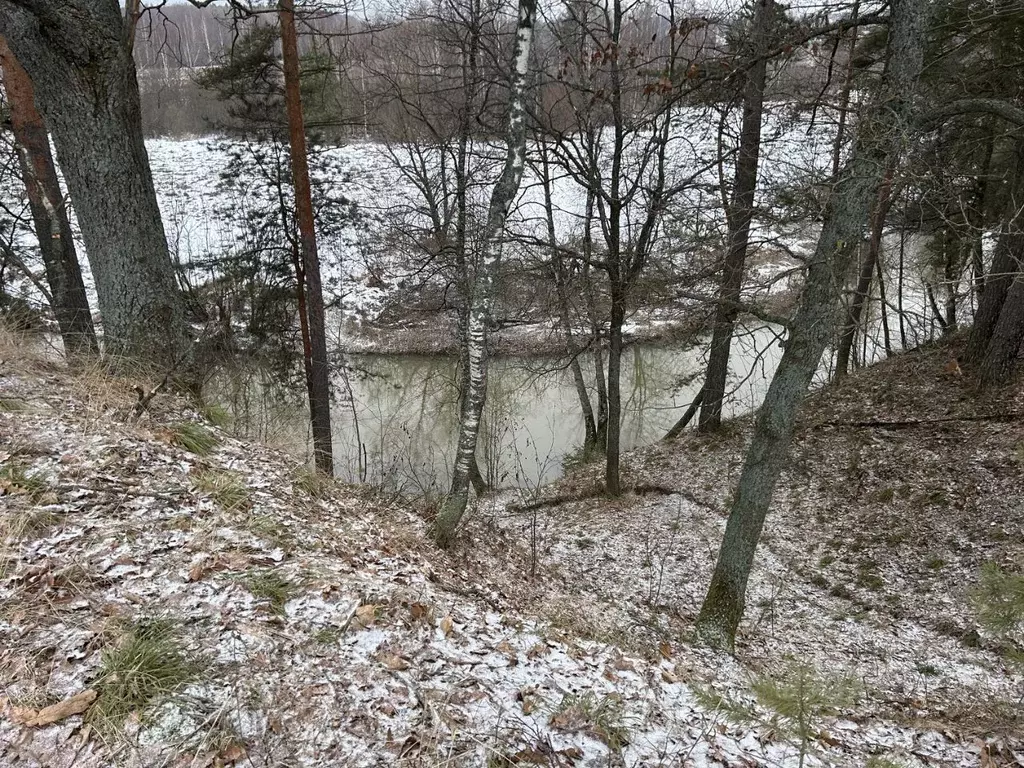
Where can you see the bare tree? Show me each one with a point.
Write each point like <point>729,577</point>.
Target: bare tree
<point>881,133</point>
<point>482,297</point>
<point>611,114</point>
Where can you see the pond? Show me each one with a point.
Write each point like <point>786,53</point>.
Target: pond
<point>395,416</point>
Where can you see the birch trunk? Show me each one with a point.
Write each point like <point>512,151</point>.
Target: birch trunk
<point>879,139</point>
<point>502,197</point>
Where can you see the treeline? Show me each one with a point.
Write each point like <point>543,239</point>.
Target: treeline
<point>368,58</point>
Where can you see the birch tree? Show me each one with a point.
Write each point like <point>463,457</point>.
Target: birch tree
<point>880,137</point>
<point>478,318</point>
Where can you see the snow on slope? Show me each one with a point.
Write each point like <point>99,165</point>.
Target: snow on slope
<point>382,651</point>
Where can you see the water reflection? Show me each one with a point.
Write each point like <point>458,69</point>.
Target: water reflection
<point>395,416</point>
<point>395,424</point>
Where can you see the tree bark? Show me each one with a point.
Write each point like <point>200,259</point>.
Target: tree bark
<point>49,216</point>
<point>318,382</point>
<point>1007,262</point>
<point>502,197</point>
<point>612,481</point>
<point>1000,361</point>
<point>741,212</point>
<point>76,53</point>
<point>867,273</point>
<point>877,144</point>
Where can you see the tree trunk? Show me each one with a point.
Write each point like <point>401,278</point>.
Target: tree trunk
<point>76,53</point>
<point>53,230</point>
<point>571,349</point>
<point>600,383</point>
<point>1006,264</point>
<point>476,477</point>
<point>867,273</point>
<point>318,382</point>
<point>741,211</point>
<point>680,425</point>
<point>502,197</point>
<point>876,147</point>
<point>612,484</point>
<point>1000,359</point>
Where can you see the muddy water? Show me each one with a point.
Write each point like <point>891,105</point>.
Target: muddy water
<point>396,418</point>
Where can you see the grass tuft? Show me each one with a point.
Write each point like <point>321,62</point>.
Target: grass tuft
<point>597,716</point>
<point>312,481</point>
<point>17,478</point>
<point>143,669</point>
<point>194,438</point>
<point>216,414</point>
<point>271,586</point>
<point>224,487</point>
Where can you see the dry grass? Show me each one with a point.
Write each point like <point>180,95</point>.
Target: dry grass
<point>224,487</point>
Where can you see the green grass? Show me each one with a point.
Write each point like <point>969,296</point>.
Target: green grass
<point>194,438</point>
<point>224,487</point>
<point>145,667</point>
<point>216,414</point>
<point>271,586</point>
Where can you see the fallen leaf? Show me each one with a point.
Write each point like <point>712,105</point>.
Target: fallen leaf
<point>419,611</point>
<point>532,756</point>
<point>22,715</point>
<point>75,705</point>
<point>622,664</point>
<point>537,650</point>
<point>365,614</point>
<point>527,699</point>
<point>447,625</point>
<point>569,719</point>
<point>232,754</point>
<point>394,662</point>
<point>666,649</point>
<point>195,573</point>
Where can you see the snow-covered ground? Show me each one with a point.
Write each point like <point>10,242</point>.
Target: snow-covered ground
<point>377,649</point>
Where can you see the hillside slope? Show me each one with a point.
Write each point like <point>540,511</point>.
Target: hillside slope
<point>226,608</point>
<point>902,483</point>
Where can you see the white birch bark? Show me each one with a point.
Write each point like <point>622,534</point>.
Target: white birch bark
<point>502,196</point>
